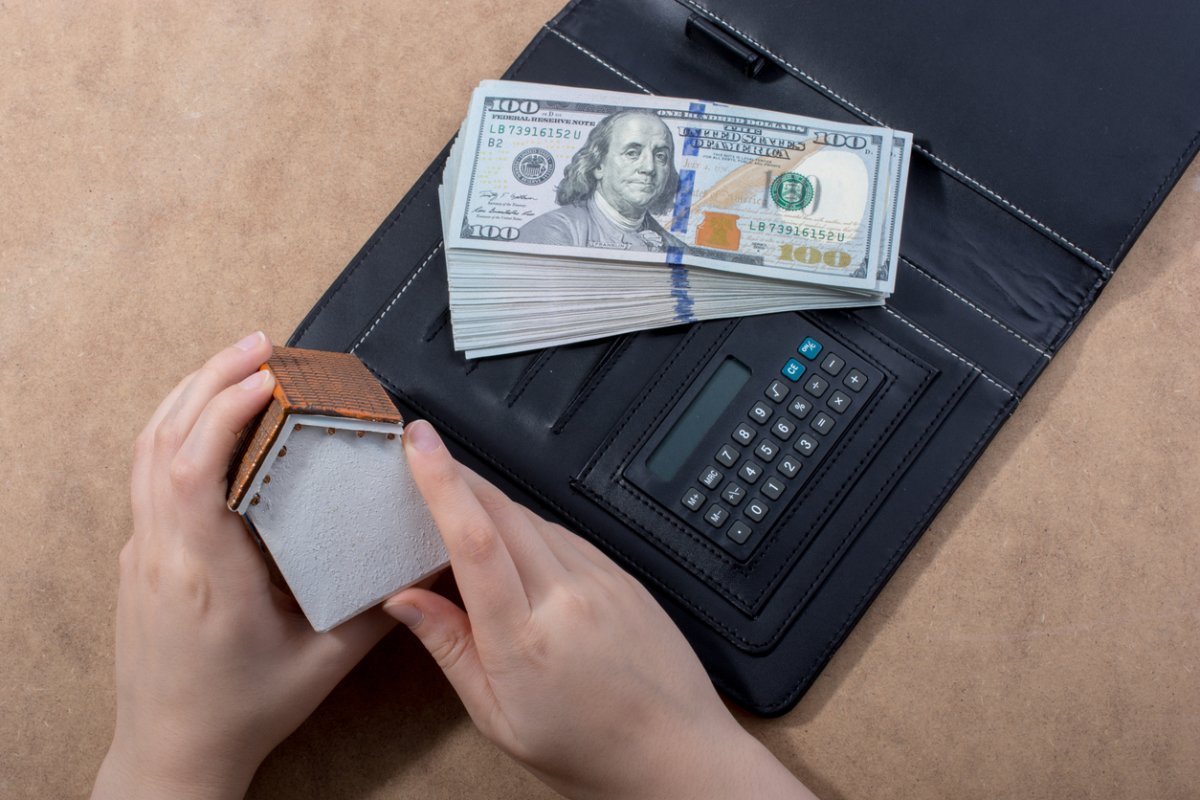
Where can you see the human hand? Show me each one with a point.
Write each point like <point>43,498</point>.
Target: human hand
<point>215,665</point>
<point>565,661</point>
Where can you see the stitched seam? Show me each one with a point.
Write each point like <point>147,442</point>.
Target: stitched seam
<point>888,568</point>
<point>595,57</point>
<point>935,342</point>
<point>942,163</point>
<point>971,305</point>
<point>399,294</point>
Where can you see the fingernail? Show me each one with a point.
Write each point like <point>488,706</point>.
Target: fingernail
<point>257,380</point>
<point>422,436</point>
<point>409,616</point>
<point>251,341</point>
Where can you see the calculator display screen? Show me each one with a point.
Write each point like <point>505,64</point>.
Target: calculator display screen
<point>705,409</point>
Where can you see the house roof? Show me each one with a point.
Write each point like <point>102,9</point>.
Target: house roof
<point>307,382</point>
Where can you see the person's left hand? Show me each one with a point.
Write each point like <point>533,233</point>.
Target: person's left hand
<point>215,665</point>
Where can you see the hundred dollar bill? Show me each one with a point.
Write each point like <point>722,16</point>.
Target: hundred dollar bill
<point>566,173</point>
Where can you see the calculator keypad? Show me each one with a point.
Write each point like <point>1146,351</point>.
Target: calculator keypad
<point>789,426</point>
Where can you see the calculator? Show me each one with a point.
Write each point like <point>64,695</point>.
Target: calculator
<point>753,430</point>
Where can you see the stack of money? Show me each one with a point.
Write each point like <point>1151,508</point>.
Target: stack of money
<point>571,214</point>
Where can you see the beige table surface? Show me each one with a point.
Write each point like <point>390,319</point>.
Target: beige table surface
<point>174,175</point>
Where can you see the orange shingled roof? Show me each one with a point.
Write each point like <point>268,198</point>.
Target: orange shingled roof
<point>307,382</point>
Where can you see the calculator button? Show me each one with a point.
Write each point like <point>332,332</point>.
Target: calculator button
<point>733,494</point>
<point>767,450</point>
<point>816,386</point>
<point>710,477</point>
<point>793,369</point>
<point>789,467</point>
<point>783,428</point>
<point>773,488</point>
<point>693,499</point>
<point>727,455</point>
<point>800,407</point>
<point>739,532</point>
<point>716,516</point>
<point>806,445</point>
<point>839,401</point>
<point>855,380</point>
<point>822,423</point>
<point>832,364</point>
<point>777,391</point>
<point>810,348</point>
<point>750,472</point>
<point>756,510</point>
<point>761,412</point>
<point>743,434</point>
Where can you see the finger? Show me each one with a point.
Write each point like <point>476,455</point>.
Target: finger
<point>487,577</point>
<point>221,371</point>
<point>445,631</point>
<point>536,562</point>
<point>201,467</point>
<point>143,455</point>
<point>559,541</point>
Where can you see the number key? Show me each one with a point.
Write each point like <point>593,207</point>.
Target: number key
<point>806,445</point>
<point>750,472</point>
<point>783,428</point>
<point>728,455</point>
<point>773,488</point>
<point>743,433</point>
<point>767,450</point>
<point>761,412</point>
<point>757,510</point>
<point>789,467</point>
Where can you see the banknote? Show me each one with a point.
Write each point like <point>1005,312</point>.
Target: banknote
<point>570,214</point>
<point>584,173</point>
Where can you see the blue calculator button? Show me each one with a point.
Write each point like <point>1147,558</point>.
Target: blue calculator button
<point>810,348</point>
<point>793,369</point>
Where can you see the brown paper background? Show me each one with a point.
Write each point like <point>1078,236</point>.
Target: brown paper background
<point>174,175</point>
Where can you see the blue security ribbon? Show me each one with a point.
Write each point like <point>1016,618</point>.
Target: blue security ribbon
<point>683,201</point>
<point>680,287</point>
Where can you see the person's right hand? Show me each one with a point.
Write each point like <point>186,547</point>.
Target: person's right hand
<point>565,661</point>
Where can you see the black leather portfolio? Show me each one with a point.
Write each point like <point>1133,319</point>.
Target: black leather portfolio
<point>1046,135</point>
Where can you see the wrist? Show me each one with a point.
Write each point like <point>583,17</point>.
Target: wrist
<point>731,764</point>
<point>125,775</point>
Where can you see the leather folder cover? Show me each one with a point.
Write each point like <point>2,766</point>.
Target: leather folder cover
<point>1046,136</point>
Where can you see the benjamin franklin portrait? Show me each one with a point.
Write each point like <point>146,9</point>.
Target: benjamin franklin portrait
<point>624,172</point>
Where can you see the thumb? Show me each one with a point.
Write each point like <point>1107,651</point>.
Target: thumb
<point>445,631</point>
